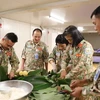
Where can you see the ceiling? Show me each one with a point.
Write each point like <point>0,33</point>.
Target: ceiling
<point>74,12</point>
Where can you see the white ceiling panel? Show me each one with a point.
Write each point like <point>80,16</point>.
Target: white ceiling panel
<point>74,12</point>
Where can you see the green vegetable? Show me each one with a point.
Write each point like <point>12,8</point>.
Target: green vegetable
<point>41,86</point>
<point>39,80</point>
<point>68,88</point>
<point>3,73</point>
<point>34,73</point>
<point>63,81</point>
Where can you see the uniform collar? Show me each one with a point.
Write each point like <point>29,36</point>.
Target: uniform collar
<point>80,44</point>
<point>39,43</point>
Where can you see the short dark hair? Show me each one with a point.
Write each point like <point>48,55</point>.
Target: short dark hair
<point>61,39</point>
<point>11,36</point>
<point>75,34</point>
<point>96,12</point>
<point>37,29</point>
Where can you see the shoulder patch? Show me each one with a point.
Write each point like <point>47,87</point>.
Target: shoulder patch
<point>88,51</point>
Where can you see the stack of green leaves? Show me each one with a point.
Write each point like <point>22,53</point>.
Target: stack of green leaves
<point>3,74</point>
<point>39,81</point>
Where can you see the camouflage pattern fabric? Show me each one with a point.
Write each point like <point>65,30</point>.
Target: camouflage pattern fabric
<point>81,63</point>
<point>81,60</point>
<point>8,57</point>
<point>56,56</point>
<point>86,92</point>
<point>35,55</point>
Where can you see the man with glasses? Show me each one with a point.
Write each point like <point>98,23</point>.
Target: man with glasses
<point>7,53</point>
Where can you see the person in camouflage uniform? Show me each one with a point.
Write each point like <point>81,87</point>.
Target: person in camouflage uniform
<point>7,53</point>
<point>56,55</point>
<point>78,85</point>
<point>35,53</point>
<point>80,54</point>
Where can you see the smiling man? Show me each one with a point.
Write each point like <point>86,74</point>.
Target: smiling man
<point>35,53</point>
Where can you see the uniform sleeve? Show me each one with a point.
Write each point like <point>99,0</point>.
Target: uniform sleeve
<point>65,60</point>
<point>84,62</point>
<point>24,52</point>
<point>45,54</point>
<point>52,55</point>
<point>0,56</point>
<point>86,90</point>
<point>14,61</point>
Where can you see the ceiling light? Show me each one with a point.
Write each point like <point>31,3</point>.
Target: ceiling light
<point>56,18</point>
<point>80,29</point>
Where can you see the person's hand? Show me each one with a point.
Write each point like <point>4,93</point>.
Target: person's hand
<point>11,75</point>
<point>75,83</point>
<point>78,83</point>
<point>63,74</point>
<point>76,92</point>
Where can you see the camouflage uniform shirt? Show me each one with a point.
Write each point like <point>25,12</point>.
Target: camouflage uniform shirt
<point>57,56</point>
<point>35,55</point>
<point>5,58</point>
<point>87,92</point>
<point>81,60</point>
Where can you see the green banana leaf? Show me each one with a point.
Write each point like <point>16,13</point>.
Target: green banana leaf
<point>63,81</point>
<point>39,82</point>
<point>41,86</point>
<point>48,94</point>
<point>35,73</point>
<point>3,73</point>
<point>30,76</point>
<point>68,88</point>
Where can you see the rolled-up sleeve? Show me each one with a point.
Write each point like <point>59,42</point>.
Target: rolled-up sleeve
<point>24,52</point>
<point>52,55</point>
<point>14,61</point>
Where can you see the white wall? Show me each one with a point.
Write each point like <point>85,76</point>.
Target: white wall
<point>93,38</point>
<point>24,33</point>
<point>51,38</point>
<point>22,30</point>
